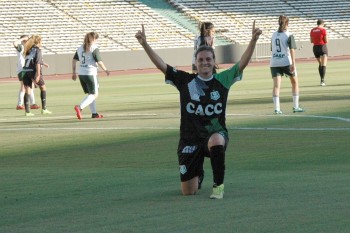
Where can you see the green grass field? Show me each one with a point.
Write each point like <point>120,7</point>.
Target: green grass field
<point>288,173</point>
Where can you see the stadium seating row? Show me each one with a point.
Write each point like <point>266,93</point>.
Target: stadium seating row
<point>63,23</point>
<point>234,17</point>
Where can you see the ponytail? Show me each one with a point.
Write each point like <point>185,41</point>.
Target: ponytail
<point>283,23</point>
<point>32,41</point>
<point>205,28</point>
<point>89,38</point>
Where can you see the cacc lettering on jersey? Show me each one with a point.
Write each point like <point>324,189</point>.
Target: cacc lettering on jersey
<point>279,55</point>
<point>201,110</point>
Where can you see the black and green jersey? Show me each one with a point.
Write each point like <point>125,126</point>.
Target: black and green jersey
<point>203,102</point>
<point>32,59</point>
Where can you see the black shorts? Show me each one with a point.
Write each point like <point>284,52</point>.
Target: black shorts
<point>320,50</point>
<point>191,158</point>
<point>89,83</point>
<point>29,79</point>
<point>280,71</point>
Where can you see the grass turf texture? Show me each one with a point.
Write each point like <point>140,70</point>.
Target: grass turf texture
<point>285,173</point>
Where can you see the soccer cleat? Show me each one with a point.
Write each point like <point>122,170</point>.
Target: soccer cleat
<point>218,192</point>
<point>298,109</point>
<point>96,115</point>
<point>200,180</point>
<point>29,114</point>
<point>323,84</point>
<point>278,112</point>
<point>45,112</point>
<point>34,106</point>
<point>78,111</point>
<point>20,107</point>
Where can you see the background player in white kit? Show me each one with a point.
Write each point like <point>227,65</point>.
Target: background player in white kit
<point>89,56</point>
<point>283,63</point>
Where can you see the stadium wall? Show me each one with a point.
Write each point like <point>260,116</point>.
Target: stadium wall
<point>126,60</point>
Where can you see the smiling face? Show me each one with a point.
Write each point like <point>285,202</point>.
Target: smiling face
<point>205,62</point>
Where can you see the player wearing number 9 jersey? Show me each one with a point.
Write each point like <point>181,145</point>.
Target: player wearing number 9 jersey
<point>89,56</point>
<point>283,63</point>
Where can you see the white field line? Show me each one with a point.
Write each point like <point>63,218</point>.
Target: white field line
<point>44,118</point>
<point>169,128</point>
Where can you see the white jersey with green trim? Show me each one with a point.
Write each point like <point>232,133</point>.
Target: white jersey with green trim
<point>281,43</point>
<point>88,60</point>
<point>20,57</point>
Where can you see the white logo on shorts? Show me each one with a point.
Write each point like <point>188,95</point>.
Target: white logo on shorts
<point>189,149</point>
<point>183,169</point>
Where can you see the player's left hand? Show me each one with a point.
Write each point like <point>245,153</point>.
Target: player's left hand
<point>256,32</point>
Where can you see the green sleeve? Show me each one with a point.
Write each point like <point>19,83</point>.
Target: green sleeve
<point>228,77</point>
<point>76,57</point>
<point>291,42</point>
<point>96,55</point>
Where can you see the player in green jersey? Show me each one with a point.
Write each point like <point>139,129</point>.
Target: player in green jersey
<point>203,99</point>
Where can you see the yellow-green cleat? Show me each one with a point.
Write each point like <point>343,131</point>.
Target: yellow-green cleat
<point>29,114</point>
<point>45,112</point>
<point>218,192</point>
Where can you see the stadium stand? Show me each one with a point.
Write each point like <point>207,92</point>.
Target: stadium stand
<point>63,23</point>
<point>234,17</point>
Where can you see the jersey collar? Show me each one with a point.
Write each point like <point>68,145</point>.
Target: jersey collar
<point>205,79</point>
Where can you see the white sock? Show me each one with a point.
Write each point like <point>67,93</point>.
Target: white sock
<point>87,101</point>
<point>276,102</point>
<point>296,100</point>
<point>93,107</point>
<point>32,97</point>
<point>20,97</point>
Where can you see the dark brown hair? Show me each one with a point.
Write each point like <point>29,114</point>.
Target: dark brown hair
<point>205,28</point>
<point>283,23</point>
<point>89,38</point>
<point>209,49</point>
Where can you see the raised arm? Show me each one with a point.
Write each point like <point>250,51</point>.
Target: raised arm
<point>157,61</point>
<point>19,41</point>
<point>256,32</point>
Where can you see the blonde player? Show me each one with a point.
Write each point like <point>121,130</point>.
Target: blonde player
<point>19,46</point>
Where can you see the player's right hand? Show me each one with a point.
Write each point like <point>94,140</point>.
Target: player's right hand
<point>141,36</point>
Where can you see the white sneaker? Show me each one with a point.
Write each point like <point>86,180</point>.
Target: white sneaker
<point>298,109</point>
<point>323,84</point>
<point>278,112</point>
